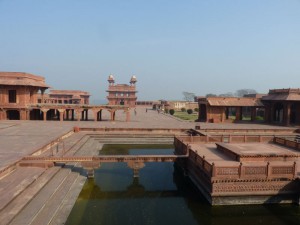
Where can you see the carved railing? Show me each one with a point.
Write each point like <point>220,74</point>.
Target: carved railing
<point>225,138</point>
<point>287,143</point>
<point>108,158</point>
<point>266,170</point>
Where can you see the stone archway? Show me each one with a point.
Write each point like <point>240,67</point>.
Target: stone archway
<point>278,112</point>
<point>13,114</point>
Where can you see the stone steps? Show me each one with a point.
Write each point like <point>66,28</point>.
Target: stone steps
<point>77,146</point>
<point>10,189</point>
<point>51,207</point>
<point>68,202</point>
<point>133,140</point>
<point>18,203</point>
<point>30,211</point>
<point>69,145</point>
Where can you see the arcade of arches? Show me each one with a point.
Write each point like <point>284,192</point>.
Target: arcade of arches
<point>62,112</point>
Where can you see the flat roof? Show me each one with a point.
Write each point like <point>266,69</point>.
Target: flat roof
<point>259,149</point>
<point>231,101</point>
<point>22,79</point>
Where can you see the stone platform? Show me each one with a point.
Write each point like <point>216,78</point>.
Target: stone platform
<point>244,173</point>
<point>24,138</point>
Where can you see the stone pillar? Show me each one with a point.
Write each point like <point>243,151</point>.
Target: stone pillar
<point>23,115</point>
<point>90,167</point>
<point>253,114</point>
<point>112,115</point>
<point>78,114</point>
<point>44,113</point>
<point>68,114</point>
<point>73,112</point>
<point>86,114</point>
<point>95,113</point>
<point>287,113</point>
<point>128,115</point>
<point>61,114</point>
<point>238,113</point>
<point>82,115</point>
<point>271,115</point>
<point>223,116</point>
<point>136,166</point>
<point>100,115</point>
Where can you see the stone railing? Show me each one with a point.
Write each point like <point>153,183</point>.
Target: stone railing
<point>287,143</point>
<point>225,138</point>
<point>264,171</point>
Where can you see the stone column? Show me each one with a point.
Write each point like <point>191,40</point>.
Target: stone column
<point>86,114</point>
<point>238,113</point>
<point>61,114</point>
<point>253,114</point>
<point>23,115</point>
<point>271,118</point>
<point>67,114</point>
<point>100,115</point>
<point>90,167</point>
<point>95,113</point>
<point>128,115</point>
<point>112,115</point>
<point>44,113</point>
<point>287,113</point>
<point>78,114</point>
<point>136,166</point>
<point>73,112</point>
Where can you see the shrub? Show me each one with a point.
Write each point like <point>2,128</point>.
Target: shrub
<point>166,110</point>
<point>196,109</point>
<point>189,111</point>
<point>183,109</point>
<point>172,111</point>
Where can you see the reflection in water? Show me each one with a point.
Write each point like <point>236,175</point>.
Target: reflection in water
<point>162,195</point>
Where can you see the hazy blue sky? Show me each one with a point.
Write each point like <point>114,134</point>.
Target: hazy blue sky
<point>201,46</point>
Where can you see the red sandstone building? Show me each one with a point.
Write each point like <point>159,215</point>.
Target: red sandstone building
<point>122,94</point>
<point>227,109</point>
<point>22,97</point>
<point>279,106</point>
<point>282,106</point>
<point>17,90</point>
<point>66,97</point>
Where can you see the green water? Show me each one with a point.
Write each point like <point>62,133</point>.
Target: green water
<point>161,195</point>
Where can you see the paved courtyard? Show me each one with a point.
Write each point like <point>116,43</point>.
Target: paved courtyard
<point>21,138</point>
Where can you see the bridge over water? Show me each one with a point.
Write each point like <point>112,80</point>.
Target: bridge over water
<point>89,163</point>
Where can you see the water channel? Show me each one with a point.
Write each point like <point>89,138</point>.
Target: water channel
<point>160,196</point>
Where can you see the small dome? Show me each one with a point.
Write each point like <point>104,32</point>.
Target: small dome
<point>111,78</point>
<point>133,79</point>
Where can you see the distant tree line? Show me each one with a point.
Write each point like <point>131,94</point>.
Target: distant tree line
<point>190,96</point>
<point>238,93</point>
